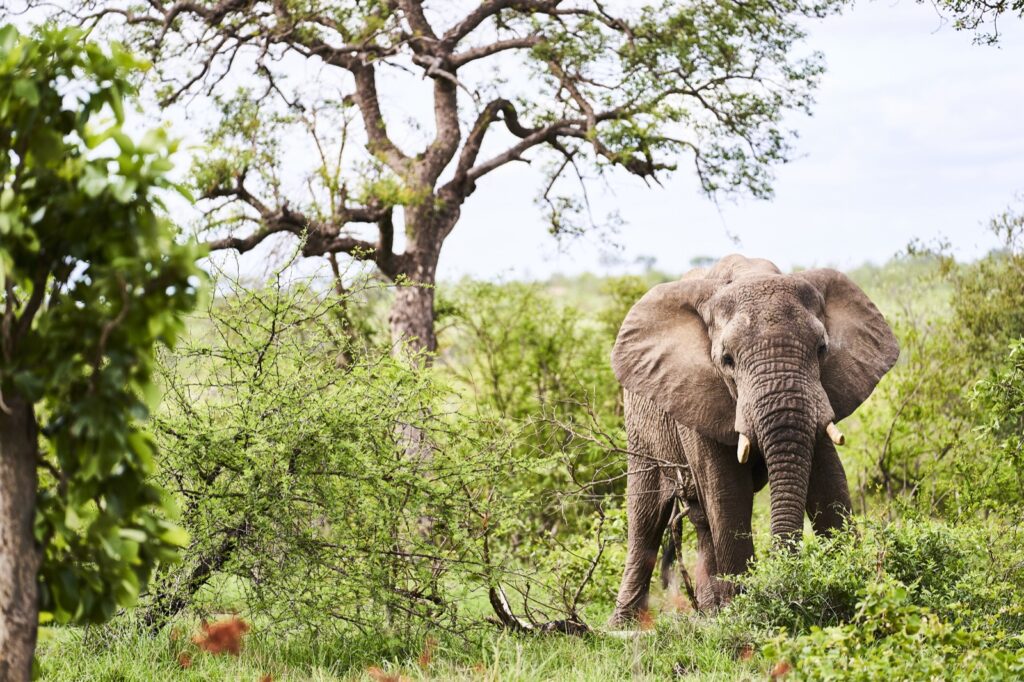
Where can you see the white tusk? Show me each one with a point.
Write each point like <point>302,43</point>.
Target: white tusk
<point>835,434</point>
<point>743,449</point>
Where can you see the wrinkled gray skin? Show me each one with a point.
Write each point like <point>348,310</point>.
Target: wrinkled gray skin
<point>740,348</point>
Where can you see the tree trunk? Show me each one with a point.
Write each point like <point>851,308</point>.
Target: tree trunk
<point>412,319</point>
<point>20,556</point>
<point>412,313</point>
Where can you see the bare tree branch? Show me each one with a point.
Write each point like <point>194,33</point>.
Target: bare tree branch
<point>472,54</point>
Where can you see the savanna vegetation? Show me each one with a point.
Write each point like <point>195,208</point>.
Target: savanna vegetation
<point>278,442</point>
<point>254,484</point>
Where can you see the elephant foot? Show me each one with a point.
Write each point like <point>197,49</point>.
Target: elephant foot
<point>619,620</point>
<point>630,619</point>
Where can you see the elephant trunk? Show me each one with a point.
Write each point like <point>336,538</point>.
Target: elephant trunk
<point>787,453</point>
<point>784,413</point>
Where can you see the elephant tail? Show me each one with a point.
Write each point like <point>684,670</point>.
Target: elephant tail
<point>672,547</point>
<point>672,552</point>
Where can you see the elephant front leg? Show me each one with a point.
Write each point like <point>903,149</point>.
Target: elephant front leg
<point>705,572</point>
<point>828,493</point>
<point>726,494</point>
<point>649,507</point>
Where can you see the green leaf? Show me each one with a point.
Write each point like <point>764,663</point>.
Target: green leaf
<point>27,90</point>
<point>123,190</point>
<point>133,534</point>
<point>176,536</point>
<point>8,38</point>
<point>116,102</point>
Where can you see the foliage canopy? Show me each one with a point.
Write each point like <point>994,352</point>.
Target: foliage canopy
<point>415,103</point>
<point>92,279</point>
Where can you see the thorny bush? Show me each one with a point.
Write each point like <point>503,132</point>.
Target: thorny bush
<point>283,444</point>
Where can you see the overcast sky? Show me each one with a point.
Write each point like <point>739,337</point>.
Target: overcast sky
<point>916,133</point>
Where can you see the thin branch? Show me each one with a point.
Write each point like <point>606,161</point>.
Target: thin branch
<point>465,57</point>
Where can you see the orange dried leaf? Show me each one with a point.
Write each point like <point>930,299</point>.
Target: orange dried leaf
<point>184,660</point>
<point>780,670</point>
<point>427,655</point>
<point>379,675</point>
<point>222,637</point>
<point>746,652</point>
<point>645,620</point>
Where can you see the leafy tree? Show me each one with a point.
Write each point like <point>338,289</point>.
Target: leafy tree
<point>931,430</point>
<point>91,279</point>
<point>981,16</point>
<point>577,87</point>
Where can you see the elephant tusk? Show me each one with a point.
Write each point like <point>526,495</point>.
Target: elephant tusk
<point>743,449</point>
<point>835,434</point>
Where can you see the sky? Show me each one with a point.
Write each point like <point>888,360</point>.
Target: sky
<point>917,133</point>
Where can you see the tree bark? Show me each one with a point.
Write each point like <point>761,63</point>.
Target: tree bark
<point>20,555</point>
<point>412,319</point>
<point>412,313</point>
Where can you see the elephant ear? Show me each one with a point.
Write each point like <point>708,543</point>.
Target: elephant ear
<point>862,347</point>
<point>663,353</point>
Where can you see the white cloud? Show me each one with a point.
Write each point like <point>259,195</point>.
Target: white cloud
<point>916,133</point>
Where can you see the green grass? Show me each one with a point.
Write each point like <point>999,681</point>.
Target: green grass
<point>683,646</point>
<point>904,596</point>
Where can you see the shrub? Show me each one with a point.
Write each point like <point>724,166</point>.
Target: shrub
<point>291,470</point>
<point>926,435</point>
<point>285,445</point>
<point>890,638</point>
<point>541,370</point>
<point>997,469</point>
<point>988,304</point>
<point>970,574</point>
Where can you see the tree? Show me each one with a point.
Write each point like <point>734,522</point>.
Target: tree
<point>980,16</point>
<point>91,279</point>
<point>579,87</point>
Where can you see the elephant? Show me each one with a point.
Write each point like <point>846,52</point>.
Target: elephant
<point>733,378</point>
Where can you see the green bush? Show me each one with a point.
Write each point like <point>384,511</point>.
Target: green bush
<point>970,574</point>
<point>287,445</point>
<point>539,369</point>
<point>917,599</point>
<point>998,403</point>
<point>988,303</point>
<point>285,448</point>
<point>890,638</point>
<point>925,437</point>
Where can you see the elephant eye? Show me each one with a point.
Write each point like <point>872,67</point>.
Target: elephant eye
<point>822,348</point>
<point>727,360</point>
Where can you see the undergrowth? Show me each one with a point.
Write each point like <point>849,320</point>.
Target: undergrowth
<point>906,600</point>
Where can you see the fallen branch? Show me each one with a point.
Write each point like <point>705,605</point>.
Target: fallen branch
<point>508,620</point>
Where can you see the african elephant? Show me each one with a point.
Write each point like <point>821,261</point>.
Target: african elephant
<point>733,377</point>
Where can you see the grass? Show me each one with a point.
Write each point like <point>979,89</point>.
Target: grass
<point>684,646</point>
<point>681,645</point>
<point>914,596</point>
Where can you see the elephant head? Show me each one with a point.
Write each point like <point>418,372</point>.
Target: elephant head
<point>745,355</point>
